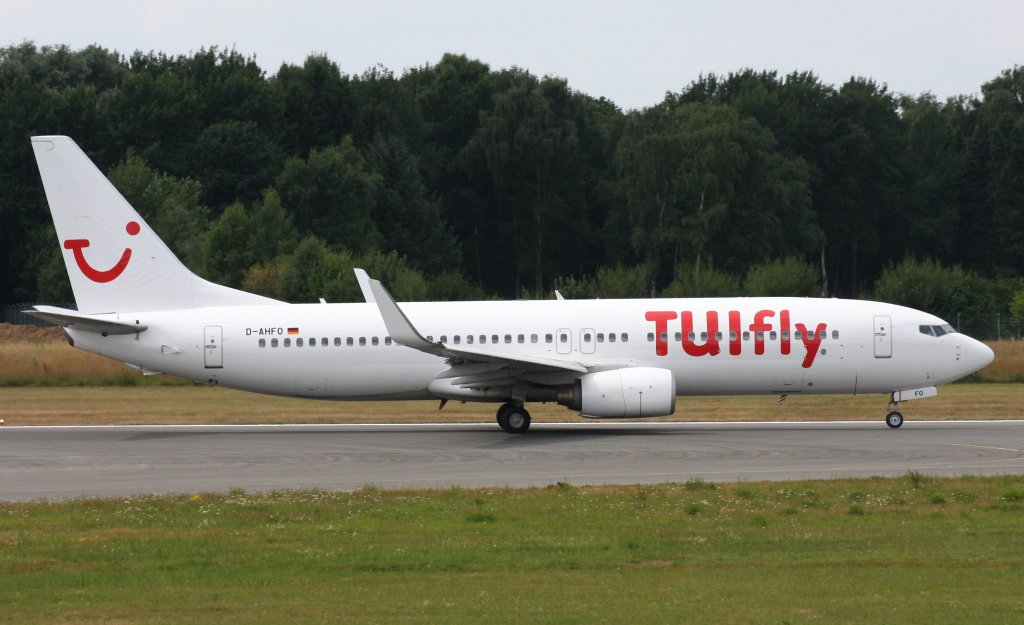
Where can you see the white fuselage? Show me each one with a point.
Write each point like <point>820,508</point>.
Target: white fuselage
<point>761,345</point>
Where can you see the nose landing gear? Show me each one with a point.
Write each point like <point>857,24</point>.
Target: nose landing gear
<point>894,419</point>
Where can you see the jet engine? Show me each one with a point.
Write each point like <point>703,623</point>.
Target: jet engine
<point>631,392</point>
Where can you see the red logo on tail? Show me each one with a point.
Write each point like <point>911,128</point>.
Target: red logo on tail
<point>96,275</point>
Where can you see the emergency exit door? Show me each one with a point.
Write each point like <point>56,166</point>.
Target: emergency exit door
<point>883,336</point>
<point>214,356</point>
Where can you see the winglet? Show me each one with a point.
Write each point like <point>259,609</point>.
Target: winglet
<point>363,279</point>
<point>398,325</point>
<point>558,295</point>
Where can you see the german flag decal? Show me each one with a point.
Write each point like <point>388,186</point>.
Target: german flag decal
<point>293,330</point>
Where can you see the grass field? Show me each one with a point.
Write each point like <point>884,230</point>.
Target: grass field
<point>112,405</point>
<point>905,550</point>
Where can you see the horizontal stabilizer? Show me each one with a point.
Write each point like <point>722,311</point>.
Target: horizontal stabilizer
<point>81,321</point>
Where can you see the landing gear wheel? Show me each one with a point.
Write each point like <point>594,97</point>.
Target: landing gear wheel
<point>894,419</point>
<point>513,418</point>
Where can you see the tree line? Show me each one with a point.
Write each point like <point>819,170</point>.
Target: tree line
<point>456,181</point>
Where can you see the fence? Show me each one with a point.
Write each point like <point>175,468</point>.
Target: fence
<point>13,313</point>
<point>985,326</point>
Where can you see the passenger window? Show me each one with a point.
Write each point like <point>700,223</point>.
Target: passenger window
<point>691,336</point>
<point>298,342</point>
<point>625,337</point>
<point>273,342</point>
<point>362,341</point>
<point>563,338</point>
<point>375,340</point>
<point>287,342</point>
<point>457,339</point>
<point>611,337</point>
<point>785,336</point>
<point>746,335</point>
<point>732,336</point>
<point>679,336</point>
<point>548,338</point>
<point>664,337</point>
<point>533,338</point>
<point>760,336</point>
<point>263,342</point>
<point>772,335</point>
<point>483,339</point>
<point>348,341</point>
<point>323,342</point>
<point>650,337</point>
<point>586,337</point>
<point>444,338</point>
<point>520,339</point>
<point>703,336</point>
<point>508,338</point>
<point>835,334</point>
<point>387,340</point>
<point>797,335</point>
<point>469,339</point>
<point>718,336</point>
<point>823,335</point>
<point>494,339</point>
<point>600,337</point>
<point>337,341</point>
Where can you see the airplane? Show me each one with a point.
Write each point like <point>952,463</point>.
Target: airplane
<point>606,358</point>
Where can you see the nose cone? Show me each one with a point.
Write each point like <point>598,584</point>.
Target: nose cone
<point>976,355</point>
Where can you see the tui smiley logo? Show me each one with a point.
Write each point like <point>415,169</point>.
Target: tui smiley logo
<point>97,275</point>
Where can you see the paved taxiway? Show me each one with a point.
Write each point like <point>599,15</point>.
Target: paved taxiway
<point>63,462</point>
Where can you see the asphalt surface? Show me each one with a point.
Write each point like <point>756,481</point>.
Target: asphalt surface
<point>68,462</point>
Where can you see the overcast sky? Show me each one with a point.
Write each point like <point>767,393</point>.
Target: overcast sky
<point>630,52</point>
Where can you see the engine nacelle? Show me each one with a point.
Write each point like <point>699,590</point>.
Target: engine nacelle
<point>623,393</point>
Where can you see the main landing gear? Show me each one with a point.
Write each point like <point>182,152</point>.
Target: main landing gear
<point>513,418</point>
<point>894,419</point>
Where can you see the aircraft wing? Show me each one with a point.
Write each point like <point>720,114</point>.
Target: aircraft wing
<point>81,321</point>
<point>404,333</point>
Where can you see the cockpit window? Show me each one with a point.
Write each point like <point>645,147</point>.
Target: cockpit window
<point>939,330</point>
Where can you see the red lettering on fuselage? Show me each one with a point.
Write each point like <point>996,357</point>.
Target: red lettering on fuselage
<point>660,319</point>
<point>811,341</point>
<point>710,341</point>
<point>710,346</point>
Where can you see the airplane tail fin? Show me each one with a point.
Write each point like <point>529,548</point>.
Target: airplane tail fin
<point>114,259</point>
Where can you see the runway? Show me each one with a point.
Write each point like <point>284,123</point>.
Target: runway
<point>68,462</point>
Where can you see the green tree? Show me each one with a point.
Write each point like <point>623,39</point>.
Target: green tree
<point>272,232</point>
<point>708,282</point>
<point>408,220</point>
<point>526,147</point>
<point>318,107</point>
<point>227,247</point>
<point>928,285</point>
<point>170,205</point>
<point>786,277</point>
<point>234,162</point>
<point>331,194</point>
